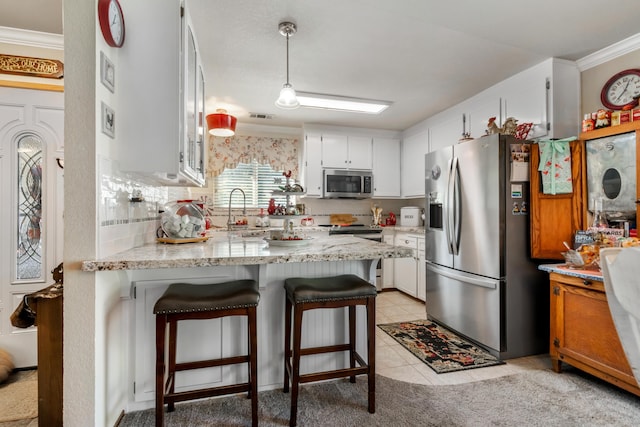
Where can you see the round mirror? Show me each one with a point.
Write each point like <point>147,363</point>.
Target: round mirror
<point>611,183</point>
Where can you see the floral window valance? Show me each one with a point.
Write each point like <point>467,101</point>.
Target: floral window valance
<point>280,153</point>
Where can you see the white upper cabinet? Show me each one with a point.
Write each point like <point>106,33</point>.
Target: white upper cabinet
<point>313,165</point>
<point>347,152</point>
<point>546,95</point>
<point>159,133</point>
<point>335,151</point>
<point>478,110</point>
<point>386,167</point>
<point>412,172</point>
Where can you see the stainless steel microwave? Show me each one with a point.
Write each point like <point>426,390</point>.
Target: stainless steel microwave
<point>347,184</point>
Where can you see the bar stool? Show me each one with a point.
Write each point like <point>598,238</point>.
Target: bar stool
<point>183,301</point>
<point>304,294</point>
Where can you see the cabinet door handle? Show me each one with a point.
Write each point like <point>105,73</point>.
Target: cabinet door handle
<point>587,282</point>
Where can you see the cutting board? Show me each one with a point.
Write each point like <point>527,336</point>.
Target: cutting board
<point>342,219</point>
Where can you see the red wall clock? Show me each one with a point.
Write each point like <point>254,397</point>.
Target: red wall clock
<point>622,89</point>
<point>111,22</point>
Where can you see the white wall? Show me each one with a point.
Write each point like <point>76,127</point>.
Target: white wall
<point>80,406</point>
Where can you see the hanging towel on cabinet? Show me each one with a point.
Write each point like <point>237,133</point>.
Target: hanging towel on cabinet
<point>555,166</point>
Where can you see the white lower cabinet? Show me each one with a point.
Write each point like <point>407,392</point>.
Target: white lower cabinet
<point>405,270</point>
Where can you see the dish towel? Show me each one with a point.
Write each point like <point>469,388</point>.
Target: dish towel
<point>555,166</point>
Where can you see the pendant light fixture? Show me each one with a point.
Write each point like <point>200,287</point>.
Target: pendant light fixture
<point>221,124</point>
<point>287,98</point>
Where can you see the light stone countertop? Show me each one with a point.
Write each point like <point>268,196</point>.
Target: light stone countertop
<point>235,250</point>
<point>567,271</point>
<point>405,229</point>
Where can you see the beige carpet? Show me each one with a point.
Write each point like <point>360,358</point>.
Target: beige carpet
<point>19,396</point>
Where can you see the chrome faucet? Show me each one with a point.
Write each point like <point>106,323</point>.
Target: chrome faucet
<point>230,224</point>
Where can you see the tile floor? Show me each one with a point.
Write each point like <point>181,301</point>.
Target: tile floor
<point>394,361</point>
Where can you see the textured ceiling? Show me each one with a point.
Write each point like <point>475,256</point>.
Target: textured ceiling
<point>423,55</point>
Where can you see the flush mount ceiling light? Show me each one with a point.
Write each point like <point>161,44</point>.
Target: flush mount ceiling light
<point>342,103</point>
<point>287,98</point>
<point>221,124</point>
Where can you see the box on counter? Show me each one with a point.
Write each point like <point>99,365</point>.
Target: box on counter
<point>635,114</point>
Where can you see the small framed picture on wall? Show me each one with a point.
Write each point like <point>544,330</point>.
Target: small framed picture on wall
<point>107,72</point>
<point>108,121</point>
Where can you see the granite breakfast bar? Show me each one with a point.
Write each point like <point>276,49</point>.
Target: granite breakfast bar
<point>145,272</point>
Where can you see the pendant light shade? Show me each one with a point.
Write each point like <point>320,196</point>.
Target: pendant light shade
<point>221,124</point>
<point>287,98</point>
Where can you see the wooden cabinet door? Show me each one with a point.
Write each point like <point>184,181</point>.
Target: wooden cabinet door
<point>555,217</point>
<point>582,331</point>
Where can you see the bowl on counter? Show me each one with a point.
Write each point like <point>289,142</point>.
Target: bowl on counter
<point>183,220</point>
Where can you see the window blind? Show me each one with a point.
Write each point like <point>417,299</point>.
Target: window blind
<point>256,180</point>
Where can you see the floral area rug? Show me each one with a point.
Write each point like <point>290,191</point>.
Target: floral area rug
<point>442,350</point>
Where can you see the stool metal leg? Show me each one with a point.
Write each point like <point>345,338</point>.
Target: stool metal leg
<point>160,350</point>
<point>287,343</point>
<point>295,375</point>
<point>371,352</point>
<point>352,340</point>
<point>253,364</point>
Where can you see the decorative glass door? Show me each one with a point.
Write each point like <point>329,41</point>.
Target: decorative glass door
<point>28,261</point>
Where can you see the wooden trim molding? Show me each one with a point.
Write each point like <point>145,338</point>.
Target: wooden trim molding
<point>30,66</point>
<point>29,85</point>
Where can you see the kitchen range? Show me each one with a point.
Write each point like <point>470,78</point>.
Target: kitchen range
<point>480,279</point>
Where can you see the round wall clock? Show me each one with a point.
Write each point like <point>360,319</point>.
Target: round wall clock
<point>622,89</point>
<point>111,22</point>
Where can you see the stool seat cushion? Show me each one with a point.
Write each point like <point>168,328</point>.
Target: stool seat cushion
<point>347,286</point>
<point>186,297</point>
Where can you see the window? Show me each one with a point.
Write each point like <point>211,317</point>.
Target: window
<point>256,180</point>
<point>29,209</point>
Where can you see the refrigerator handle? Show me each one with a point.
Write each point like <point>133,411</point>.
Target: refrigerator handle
<point>448,215</point>
<point>451,274</point>
<point>456,201</point>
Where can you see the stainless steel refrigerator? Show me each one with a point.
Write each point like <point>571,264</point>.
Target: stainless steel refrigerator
<point>480,280</point>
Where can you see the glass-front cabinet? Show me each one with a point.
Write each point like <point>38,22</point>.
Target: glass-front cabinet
<point>160,135</point>
<point>192,145</point>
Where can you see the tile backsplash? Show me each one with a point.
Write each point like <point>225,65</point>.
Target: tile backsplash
<point>126,223</point>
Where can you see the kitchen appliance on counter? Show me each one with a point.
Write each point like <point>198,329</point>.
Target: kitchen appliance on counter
<point>347,184</point>
<point>410,216</point>
<point>480,279</point>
